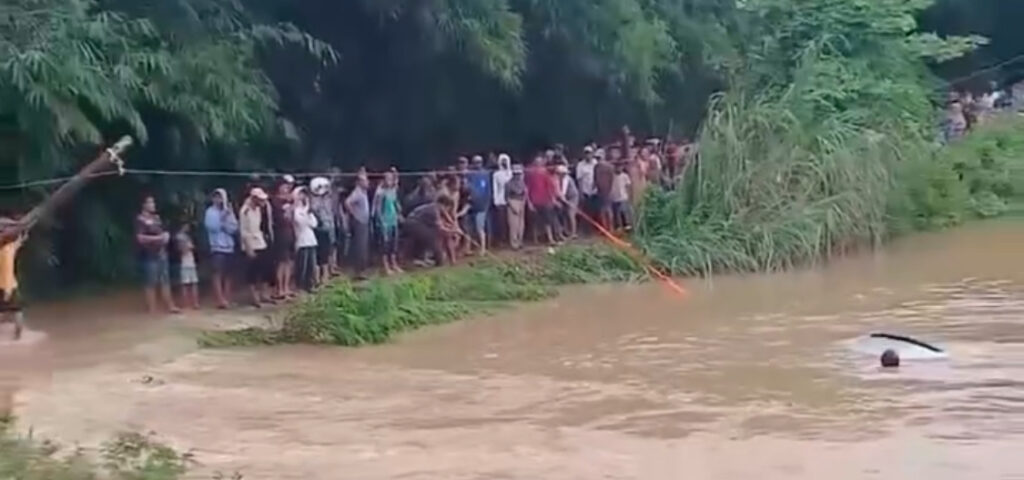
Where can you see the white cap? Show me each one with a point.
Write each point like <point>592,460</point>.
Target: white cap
<point>289,179</point>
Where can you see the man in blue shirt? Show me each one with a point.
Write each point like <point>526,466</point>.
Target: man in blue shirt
<point>221,226</point>
<point>479,183</point>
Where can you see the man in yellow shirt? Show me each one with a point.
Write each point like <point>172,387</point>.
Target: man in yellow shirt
<point>10,303</point>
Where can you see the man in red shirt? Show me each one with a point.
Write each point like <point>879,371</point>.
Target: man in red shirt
<point>541,193</point>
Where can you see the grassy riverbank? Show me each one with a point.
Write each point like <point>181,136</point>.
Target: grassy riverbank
<point>128,457</point>
<point>375,311</point>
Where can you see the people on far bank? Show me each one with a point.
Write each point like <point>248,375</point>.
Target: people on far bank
<point>300,236</point>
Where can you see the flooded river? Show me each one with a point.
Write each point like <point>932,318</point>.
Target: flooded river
<point>748,377</point>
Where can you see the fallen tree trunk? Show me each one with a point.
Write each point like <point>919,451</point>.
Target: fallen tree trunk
<point>110,158</point>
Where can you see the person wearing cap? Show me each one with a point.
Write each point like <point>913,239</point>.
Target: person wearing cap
<point>480,196</point>
<point>568,200</point>
<point>258,262</point>
<point>515,199</point>
<point>585,181</point>
<point>322,205</point>
<point>221,225</point>
<point>501,178</point>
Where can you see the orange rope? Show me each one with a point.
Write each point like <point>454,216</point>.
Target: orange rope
<point>636,254</point>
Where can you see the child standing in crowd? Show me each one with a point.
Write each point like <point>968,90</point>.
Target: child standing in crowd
<point>621,211</point>
<point>305,240</point>
<point>188,276</point>
<point>387,211</point>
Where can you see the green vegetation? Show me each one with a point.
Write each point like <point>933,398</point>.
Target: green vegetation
<point>128,457</point>
<point>374,312</point>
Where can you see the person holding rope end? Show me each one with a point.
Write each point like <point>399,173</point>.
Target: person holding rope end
<point>10,301</point>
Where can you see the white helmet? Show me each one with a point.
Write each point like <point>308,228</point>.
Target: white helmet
<point>320,186</point>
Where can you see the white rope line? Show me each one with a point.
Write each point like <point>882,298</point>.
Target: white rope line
<point>50,181</point>
<point>220,173</point>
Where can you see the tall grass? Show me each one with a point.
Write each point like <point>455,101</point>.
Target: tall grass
<point>771,190</point>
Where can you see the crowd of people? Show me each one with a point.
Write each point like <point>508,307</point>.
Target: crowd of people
<point>965,109</point>
<point>287,236</point>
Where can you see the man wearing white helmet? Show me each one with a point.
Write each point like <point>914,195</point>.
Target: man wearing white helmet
<point>323,207</point>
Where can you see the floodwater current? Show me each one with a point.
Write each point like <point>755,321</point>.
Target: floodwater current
<point>754,376</point>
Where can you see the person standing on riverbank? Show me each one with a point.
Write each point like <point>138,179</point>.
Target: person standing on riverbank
<point>478,183</point>
<point>322,204</point>
<point>221,225</point>
<point>305,241</point>
<point>568,200</point>
<point>387,211</point>
<point>515,198</point>
<point>585,182</point>
<point>10,299</point>
<point>258,261</point>
<point>501,178</point>
<point>152,240</point>
<point>188,275</point>
<point>282,209</point>
<point>621,208</point>
<point>541,194</point>
<point>604,177</point>
<point>358,206</point>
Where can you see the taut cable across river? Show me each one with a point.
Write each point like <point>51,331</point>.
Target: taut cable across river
<point>760,376</point>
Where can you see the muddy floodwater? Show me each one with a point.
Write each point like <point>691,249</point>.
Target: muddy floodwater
<point>748,377</point>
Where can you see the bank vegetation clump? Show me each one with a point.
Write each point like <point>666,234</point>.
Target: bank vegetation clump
<point>372,312</point>
<point>130,456</point>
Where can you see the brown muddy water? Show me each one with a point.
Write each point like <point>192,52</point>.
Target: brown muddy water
<point>749,377</point>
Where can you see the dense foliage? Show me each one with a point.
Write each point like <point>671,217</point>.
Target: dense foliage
<point>284,85</point>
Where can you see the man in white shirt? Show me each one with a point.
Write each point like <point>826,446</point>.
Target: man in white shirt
<point>501,178</point>
<point>585,182</point>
